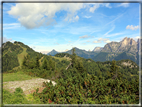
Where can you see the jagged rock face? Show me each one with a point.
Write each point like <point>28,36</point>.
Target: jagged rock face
<point>97,49</point>
<point>111,47</point>
<point>127,44</point>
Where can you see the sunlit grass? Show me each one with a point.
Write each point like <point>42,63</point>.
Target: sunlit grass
<point>19,76</point>
<point>21,56</point>
<point>63,58</point>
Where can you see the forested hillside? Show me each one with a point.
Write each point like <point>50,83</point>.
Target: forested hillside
<point>79,80</point>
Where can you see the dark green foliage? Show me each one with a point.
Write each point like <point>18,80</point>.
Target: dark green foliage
<point>51,64</point>
<point>8,46</point>
<point>37,62</point>
<point>9,61</point>
<point>17,97</point>
<point>28,62</point>
<point>85,82</point>
<point>91,66</point>
<point>18,90</point>
<point>102,56</point>
<point>83,89</point>
<point>45,65</point>
<point>124,55</point>
<point>63,54</point>
<point>9,56</point>
<point>74,58</point>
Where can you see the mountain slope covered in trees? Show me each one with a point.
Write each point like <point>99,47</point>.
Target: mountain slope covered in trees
<point>79,80</point>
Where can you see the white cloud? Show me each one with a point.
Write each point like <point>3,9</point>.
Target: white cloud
<point>87,17</point>
<point>132,27</point>
<point>5,39</point>
<point>33,15</point>
<point>11,26</point>
<point>108,5</point>
<point>137,37</point>
<point>74,19</point>
<point>92,9</point>
<point>102,39</point>
<point>97,5</point>
<point>85,36</point>
<point>123,5</point>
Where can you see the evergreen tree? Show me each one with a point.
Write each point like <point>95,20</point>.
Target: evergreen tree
<point>114,69</point>
<point>26,61</point>
<point>37,62</point>
<point>73,58</point>
<point>52,64</point>
<point>32,64</point>
<point>44,65</point>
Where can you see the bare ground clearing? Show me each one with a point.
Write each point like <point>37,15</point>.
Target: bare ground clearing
<point>28,86</point>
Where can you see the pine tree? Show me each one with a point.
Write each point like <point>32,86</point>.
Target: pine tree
<point>45,65</point>
<point>37,62</point>
<point>51,64</point>
<point>73,58</point>
<point>32,64</point>
<point>114,69</point>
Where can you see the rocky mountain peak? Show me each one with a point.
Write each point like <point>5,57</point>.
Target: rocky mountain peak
<point>127,41</point>
<point>97,49</point>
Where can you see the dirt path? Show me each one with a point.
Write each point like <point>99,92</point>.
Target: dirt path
<point>28,86</point>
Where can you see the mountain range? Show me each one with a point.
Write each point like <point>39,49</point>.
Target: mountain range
<point>128,48</point>
<point>14,53</point>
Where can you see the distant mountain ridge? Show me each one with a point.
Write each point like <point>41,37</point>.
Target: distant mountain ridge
<point>79,52</point>
<point>127,44</point>
<point>128,47</point>
<point>53,52</point>
<point>125,49</point>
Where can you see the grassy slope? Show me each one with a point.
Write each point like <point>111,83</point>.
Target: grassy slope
<point>40,60</point>
<point>21,56</point>
<point>63,58</point>
<point>19,76</point>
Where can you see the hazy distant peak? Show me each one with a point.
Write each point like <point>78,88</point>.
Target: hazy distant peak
<point>97,49</point>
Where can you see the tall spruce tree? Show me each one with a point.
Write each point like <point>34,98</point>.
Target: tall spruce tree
<point>73,58</point>
<point>114,69</point>
<point>44,64</point>
<point>37,62</point>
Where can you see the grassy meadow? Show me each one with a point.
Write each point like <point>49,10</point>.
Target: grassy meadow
<point>18,76</point>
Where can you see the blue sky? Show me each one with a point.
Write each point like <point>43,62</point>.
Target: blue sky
<point>61,26</point>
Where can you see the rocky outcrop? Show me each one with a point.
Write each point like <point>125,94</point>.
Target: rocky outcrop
<point>97,49</point>
<point>127,44</point>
